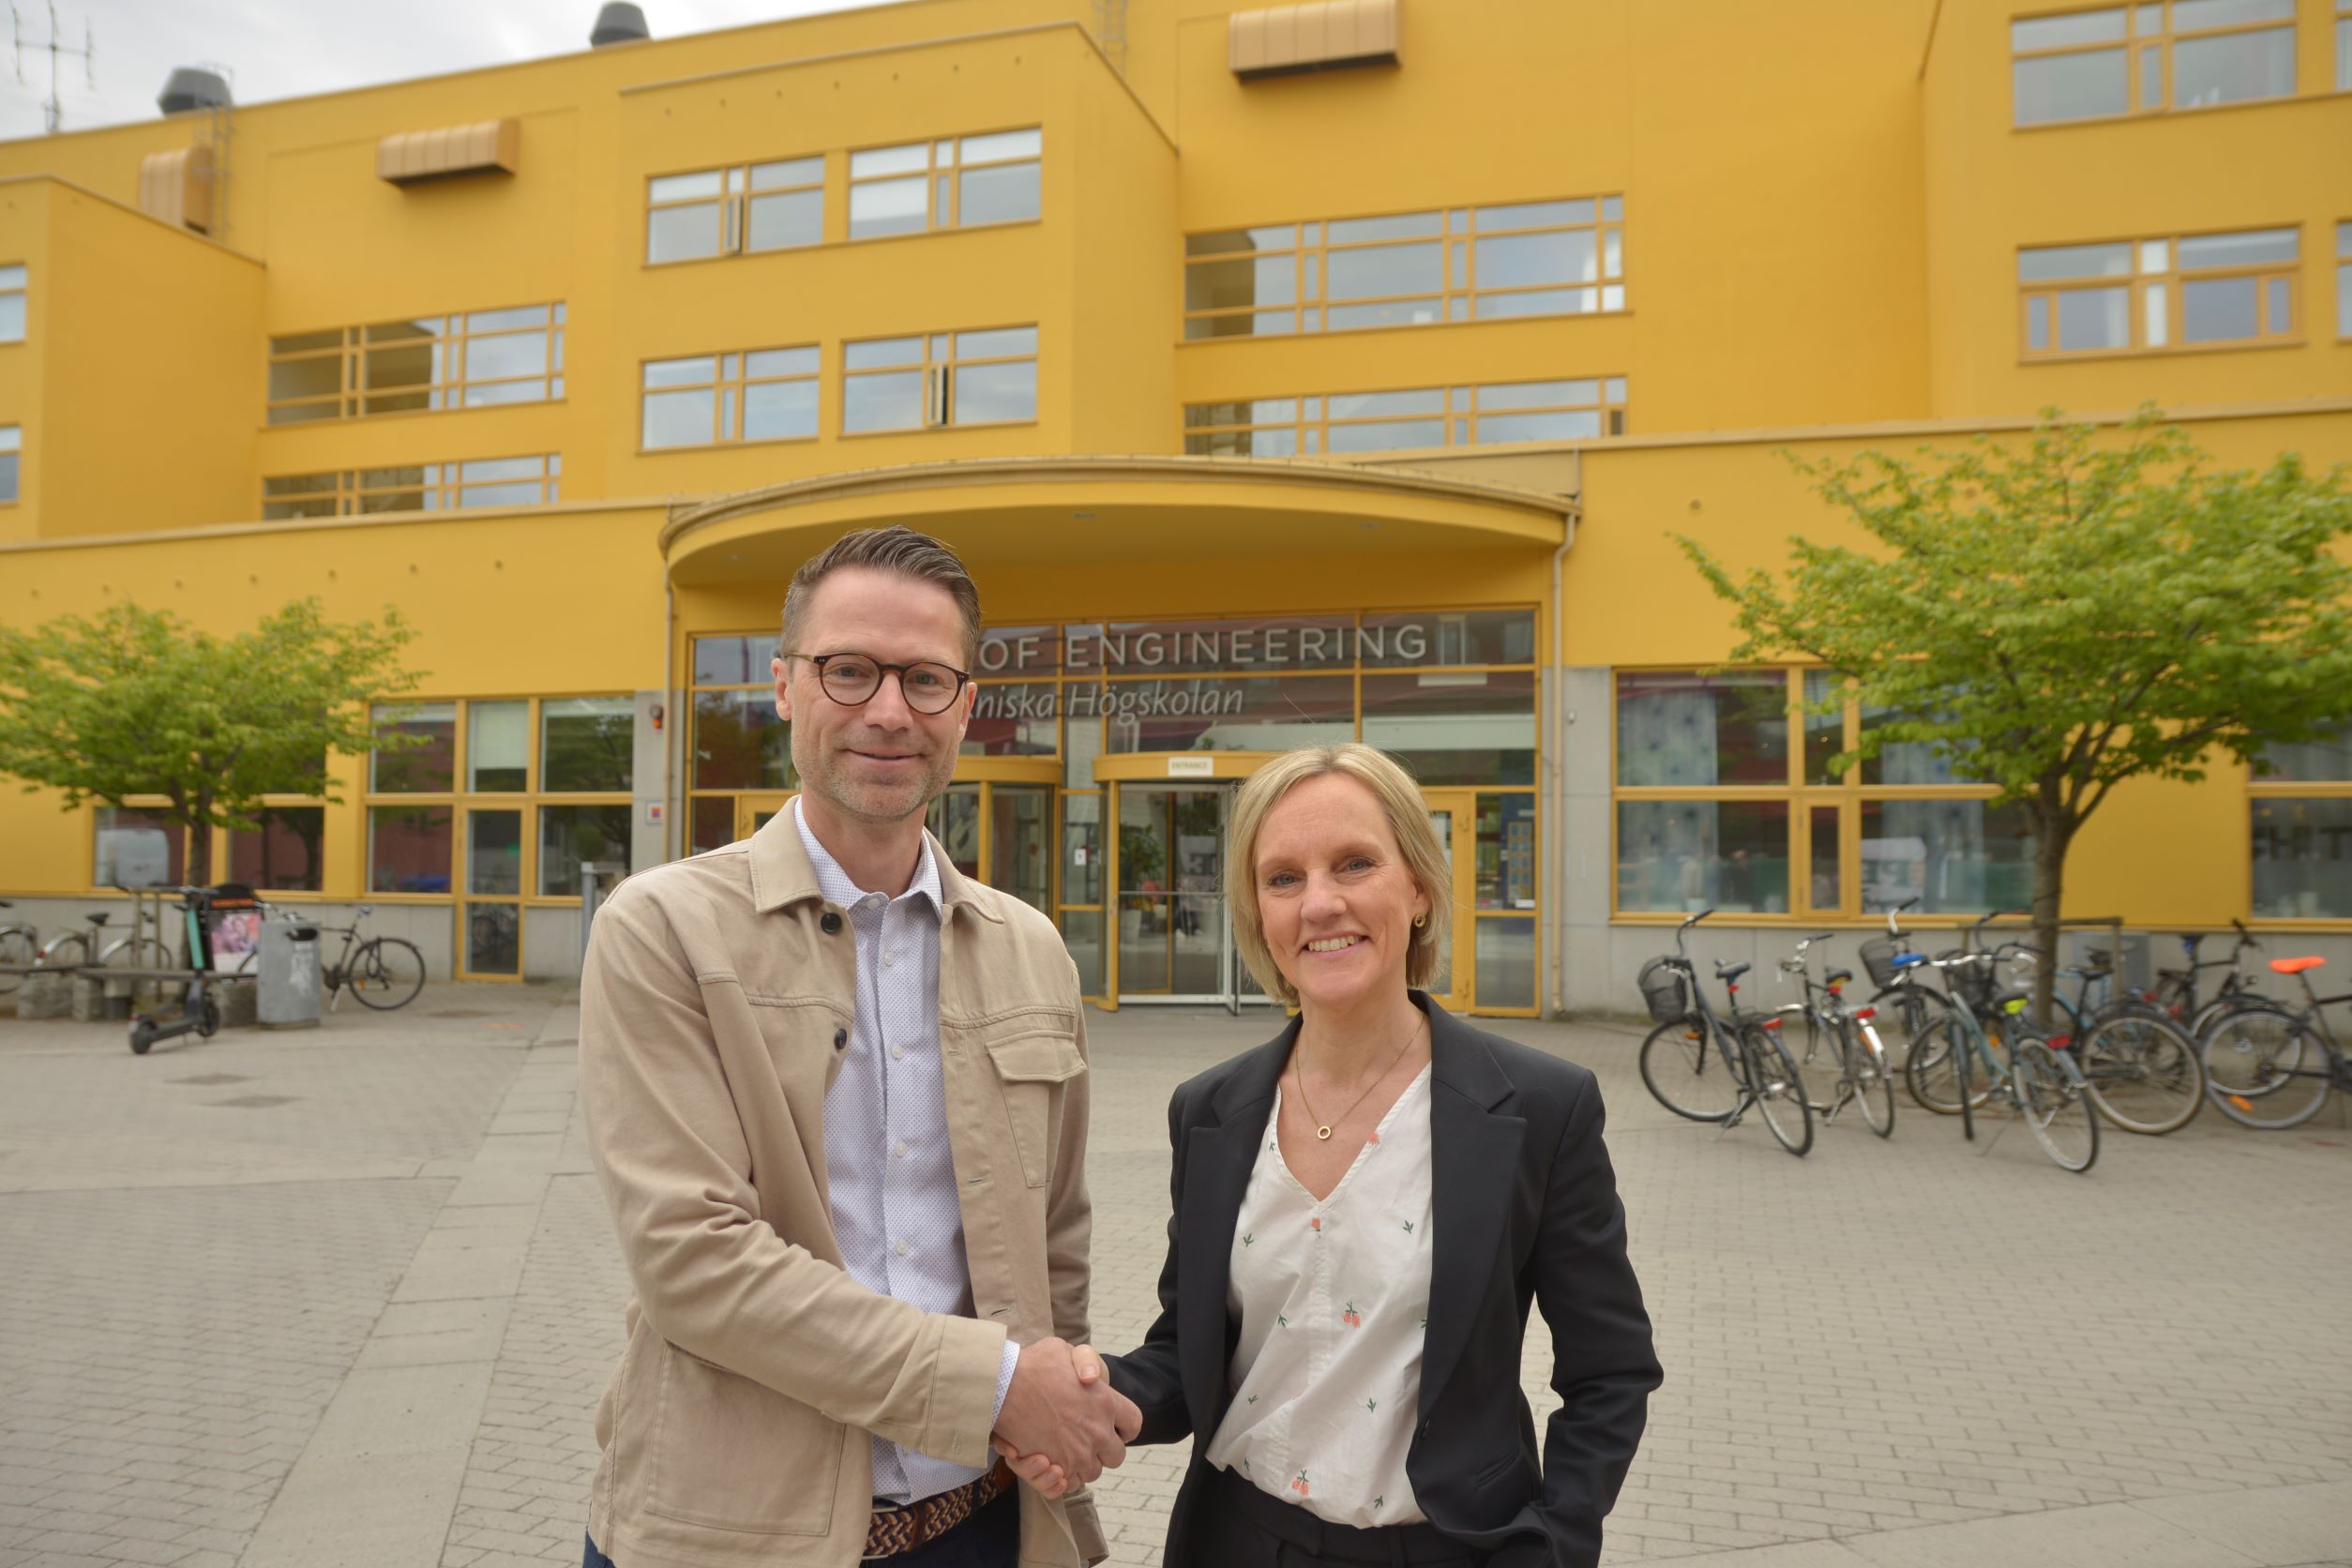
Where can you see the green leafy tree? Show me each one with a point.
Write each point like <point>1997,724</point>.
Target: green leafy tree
<point>134,702</point>
<point>2057,616</point>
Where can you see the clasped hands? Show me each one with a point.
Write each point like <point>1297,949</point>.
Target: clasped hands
<point>1063,1423</point>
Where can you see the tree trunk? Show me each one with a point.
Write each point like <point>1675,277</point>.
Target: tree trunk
<point>199,854</point>
<point>2051,835</point>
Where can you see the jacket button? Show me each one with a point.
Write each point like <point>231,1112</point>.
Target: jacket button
<point>840,1039</point>
<point>830,924</point>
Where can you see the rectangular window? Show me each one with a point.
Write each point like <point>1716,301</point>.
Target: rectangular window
<point>777,205</point>
<point>570,835</point>
<point>1359,422</point>
<point>431,487</point>
<point>939,379</point>
<point>11,450</point>
<point>12,304</point>
<point>1681,730</point>
<point>2343,57</point>
<point>1408,269</point>
<point>2301,846</point>
<point>952,182</point>
<point>284,854</point>
<point>586,744</point>
<point>2344,278</point>
<point>138,849</point>
<point>2150,57</point>
<point>2188,291</point>
<point>480,359</point>
<point>424,769</point>
<point>714,399</point>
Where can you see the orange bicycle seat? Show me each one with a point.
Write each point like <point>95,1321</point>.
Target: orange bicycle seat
<point>2295,966</point>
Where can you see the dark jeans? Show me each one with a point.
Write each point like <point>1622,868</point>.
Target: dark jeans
<point>989,1539</point>
<point>1237,1525</point>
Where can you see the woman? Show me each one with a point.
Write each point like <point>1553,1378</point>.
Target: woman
<point>1365,1206</point>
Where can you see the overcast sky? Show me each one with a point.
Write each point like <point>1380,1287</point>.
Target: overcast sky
<point>276,49</point>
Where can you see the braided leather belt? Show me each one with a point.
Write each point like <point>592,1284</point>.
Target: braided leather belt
<point>892,1531</point>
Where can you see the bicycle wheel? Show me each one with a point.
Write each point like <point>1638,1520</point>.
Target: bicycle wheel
<point>1780,1093</point>
<point>1932,1071</point>
<point>2142,1071</point>
<point>65,950</point>
<point>2266,1068</point>
<point>1905,1013</point>
<point>1873,1079</point>
<point>139,953</point>
<point>1686,1072</point>
<point>16,949</point>
<point>2056,1103</point>
<point>386,973</point>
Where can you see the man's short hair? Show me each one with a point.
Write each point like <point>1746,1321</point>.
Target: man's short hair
<point>900,551</point>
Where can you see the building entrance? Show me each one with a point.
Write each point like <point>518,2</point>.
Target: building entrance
<point>1175,935</point>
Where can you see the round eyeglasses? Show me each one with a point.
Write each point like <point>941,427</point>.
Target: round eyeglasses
<point>852,680</point>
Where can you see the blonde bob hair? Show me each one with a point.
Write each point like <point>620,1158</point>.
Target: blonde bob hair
<point>1408,821</point>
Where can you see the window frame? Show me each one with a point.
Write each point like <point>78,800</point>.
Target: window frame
<point>730,391</point>
<point>1458,296</point>
<point>1458,415</point>
<point>2170,278</point>
<point>20,289</point>
<point>2136,47</point>
<point>942,182</point>
<point>2260,788</point>
<point>12,464</point>
<point>442,486</point>
<point>732,204</point>
<point>449,385</point>
<point>939,379</point>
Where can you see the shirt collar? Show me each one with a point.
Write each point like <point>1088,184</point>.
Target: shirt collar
<point>835,883</point>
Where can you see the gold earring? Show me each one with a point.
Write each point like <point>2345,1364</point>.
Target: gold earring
<point>1419,921</point>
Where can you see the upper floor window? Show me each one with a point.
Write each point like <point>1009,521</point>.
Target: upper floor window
<point>2194,290</point>
<point>766,395</point>
<point>2344,46</point>
<point>2343,279</point>
<point>719,212</point>
<point>432,362</point>
<point>954,183</point>
<point>1410,269</point>
<point>12,448</point>
<point>1357,422</point>
<point>12,304</point>
<point>2145,59</point>
<point>941,379</point>
<point>429,487</point>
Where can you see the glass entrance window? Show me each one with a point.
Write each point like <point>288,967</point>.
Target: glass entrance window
<point>1020,839</point>
<point>955,822</point>
<point>1171,867</point>
<point>493,868</point>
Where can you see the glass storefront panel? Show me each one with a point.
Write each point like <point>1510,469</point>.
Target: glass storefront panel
<point>1505,876</point>
<point>1956,856</point>
<point>1271,643</point>
<point>138,849</point>
<point>1681,728</point>
<point>409,849</point>
<point>493,939</point>
<point>2302,858</point>
<point>1448,637</point>
<point>732,661</point>
<point>2326,761</point>
<point>1014,720</point>
<point>587,744</point>
<point>283,855</point>
<point>1020,838</point>
<point>1904,762</point>
<point>1825,733</point>
<point>417,770</point>
<point>1828,868</point>
<point>497,746</point>
<point>569,835</point>
<point>1253,713</point>
<point>1506,963</point>
<point>1689,855</point>
<point>1455,726</point>
<point>1082,933</point>
<point>714,824</point>
<point>1081,848</point>
<point>493,851</point>
<point>955,822</point>
<point>740,743</point>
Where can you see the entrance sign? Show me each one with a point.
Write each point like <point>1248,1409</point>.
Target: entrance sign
<point>1192,767</point>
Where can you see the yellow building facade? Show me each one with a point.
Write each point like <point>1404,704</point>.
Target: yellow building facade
<point>1294,373</point>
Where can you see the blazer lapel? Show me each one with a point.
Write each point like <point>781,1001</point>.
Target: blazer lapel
<point>1218,1159</point>
<point>1474,1157</point>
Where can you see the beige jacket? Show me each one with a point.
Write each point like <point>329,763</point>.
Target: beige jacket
<point>718,996</point>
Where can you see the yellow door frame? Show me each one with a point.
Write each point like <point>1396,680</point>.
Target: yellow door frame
<point>752,810</point>
<point>466,897</point>
<point>1462,919</point>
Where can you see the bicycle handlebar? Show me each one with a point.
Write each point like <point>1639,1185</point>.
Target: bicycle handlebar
<point>1892,930</point>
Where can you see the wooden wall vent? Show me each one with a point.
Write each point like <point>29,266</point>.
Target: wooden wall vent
<point>176,187</point>
<point>1326,34</point>
<point>414,156</point>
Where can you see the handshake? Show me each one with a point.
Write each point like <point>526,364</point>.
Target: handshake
<point>1063,1423</point>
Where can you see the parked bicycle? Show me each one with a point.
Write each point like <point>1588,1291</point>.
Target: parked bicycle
<point>2179,993</point>
<point>1905,1007</point>
<point>2042,1087</point>
<point>2140,1064</point>
<point>2270,1068</point>
<point>1865,1076</point>
<point>20,945</point>
<point>1709,1068</point>
<point>383,972</point>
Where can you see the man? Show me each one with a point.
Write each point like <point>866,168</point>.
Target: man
<point>837,1096</point>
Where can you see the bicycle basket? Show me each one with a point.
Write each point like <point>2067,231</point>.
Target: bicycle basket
<point>1878,956</point>
<point>1977,984</point>
<point>1664,991</point>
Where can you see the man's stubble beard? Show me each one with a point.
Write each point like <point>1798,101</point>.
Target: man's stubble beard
<point>875,803</point>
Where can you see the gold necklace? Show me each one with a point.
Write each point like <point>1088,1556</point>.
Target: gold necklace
<point>1322,1128</point>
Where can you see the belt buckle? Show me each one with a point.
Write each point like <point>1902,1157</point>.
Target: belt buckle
<point>882,1506</point>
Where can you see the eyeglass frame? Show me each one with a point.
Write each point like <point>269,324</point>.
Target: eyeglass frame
<point>963,678</point>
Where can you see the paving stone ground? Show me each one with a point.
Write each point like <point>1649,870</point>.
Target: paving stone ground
<point>348,1297</point>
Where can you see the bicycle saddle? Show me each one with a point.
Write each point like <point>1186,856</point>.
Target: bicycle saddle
<point>1837,977</point>
<point>97,919</point>
<point>1731,971</point>
<point>1909,960</point>
<point>2295,966</point>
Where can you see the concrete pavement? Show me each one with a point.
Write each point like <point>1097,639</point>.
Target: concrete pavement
<point>346,1298</point>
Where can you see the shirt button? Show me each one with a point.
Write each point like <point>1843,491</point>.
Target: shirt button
<point>901,1150</point>
<point>904,1248</point>
<point>897,1054</point>
<point>829,922</point>
<point>889,960</point>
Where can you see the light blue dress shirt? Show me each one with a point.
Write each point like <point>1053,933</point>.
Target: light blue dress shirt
<point>889,1170</point>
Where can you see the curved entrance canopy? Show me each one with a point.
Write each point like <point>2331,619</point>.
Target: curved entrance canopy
<point>1048,511</point>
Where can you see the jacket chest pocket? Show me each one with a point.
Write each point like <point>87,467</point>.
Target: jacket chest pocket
<point>1033,1069</point>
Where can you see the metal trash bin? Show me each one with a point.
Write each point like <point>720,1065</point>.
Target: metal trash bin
<point>287,976</point>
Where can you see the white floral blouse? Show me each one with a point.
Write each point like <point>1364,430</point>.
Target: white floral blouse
<point>1333,1302</point>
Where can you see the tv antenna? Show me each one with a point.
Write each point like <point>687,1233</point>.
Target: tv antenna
<point>52,109</point>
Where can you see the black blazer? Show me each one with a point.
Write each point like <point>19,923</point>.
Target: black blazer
<point>1524,1205</point>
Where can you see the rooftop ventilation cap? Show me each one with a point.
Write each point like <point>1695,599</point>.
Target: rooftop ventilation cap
<point>618,21</point>
<point>193,87</point>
